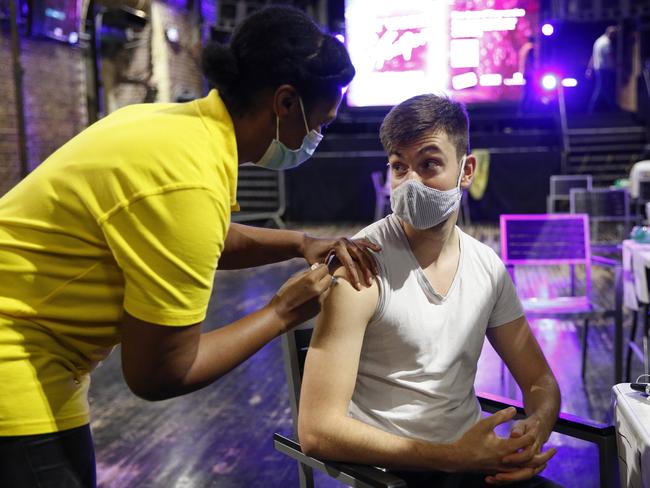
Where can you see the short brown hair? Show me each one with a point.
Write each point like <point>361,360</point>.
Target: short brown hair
<point>423,114</point>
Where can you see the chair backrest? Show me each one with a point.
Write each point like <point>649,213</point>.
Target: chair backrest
<point>604,204</point>
<point>377,181</point>
<point>381,181</point>
<point>381,185</point>
<point>295,344</point>
<point>547,240</point>
<point>561,185</point>
<point>261,195</point>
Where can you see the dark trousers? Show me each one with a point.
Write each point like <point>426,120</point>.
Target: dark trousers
<point>431,479</point>
<point>604,94</point>
<point>63,459</point>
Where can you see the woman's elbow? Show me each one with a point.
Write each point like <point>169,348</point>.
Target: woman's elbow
<point>151,389</point>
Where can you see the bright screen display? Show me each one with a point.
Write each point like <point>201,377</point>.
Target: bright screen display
<point>472,50</point>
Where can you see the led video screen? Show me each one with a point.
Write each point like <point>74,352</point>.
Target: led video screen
<point>469,49</point>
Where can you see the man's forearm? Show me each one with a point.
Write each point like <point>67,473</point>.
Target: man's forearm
<point>247,246</point>
<point>345,439</point>
<point>542,400</point>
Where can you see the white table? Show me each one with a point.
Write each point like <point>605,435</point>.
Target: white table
<point>636,260</point>
<point>632,423</point>
<point>636,257</point>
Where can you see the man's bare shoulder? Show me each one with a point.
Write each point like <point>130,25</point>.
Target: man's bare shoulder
<point>345,304</point>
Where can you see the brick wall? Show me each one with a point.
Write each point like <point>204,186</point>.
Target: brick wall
<point>55,96</point>
<point>184,60</point>
<point>9,163</point>
<point>174,69</point>
<point>55,102</point>
<point>132,63</point>
<point>55,86</point>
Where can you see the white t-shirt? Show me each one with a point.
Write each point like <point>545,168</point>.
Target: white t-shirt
<point>603,56</point>
<point>420,350</point>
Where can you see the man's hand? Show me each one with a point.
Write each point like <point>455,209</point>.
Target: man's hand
<point>530,425</point>
<point>481,450</point>
<point>354,255</point>
<point>527,466</point>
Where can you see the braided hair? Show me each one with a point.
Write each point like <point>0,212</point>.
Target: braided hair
<point>275,46</point>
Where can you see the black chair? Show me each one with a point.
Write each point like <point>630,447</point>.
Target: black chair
<point>295,345</point>
<point>559,188</point>
<point>604,206</point>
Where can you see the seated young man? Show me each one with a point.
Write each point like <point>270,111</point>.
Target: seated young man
<point>389,376</point>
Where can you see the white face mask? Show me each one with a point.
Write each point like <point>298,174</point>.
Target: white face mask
<point>424,207</point>
<point>280,157</point>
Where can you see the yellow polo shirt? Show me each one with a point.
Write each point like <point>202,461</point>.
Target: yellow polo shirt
<point>131,214</point>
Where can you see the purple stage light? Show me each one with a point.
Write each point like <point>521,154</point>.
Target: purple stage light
<point>547,29</point>
<point>569,82</point>
<point>549,82</point>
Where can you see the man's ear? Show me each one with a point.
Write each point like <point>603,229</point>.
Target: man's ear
<point>285,98</point>
<point>468,171</point>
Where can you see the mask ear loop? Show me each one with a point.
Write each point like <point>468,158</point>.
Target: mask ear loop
<point>277,127</point>
<point>304,117</point>
<point>462,170</point>
<point>641,376</point>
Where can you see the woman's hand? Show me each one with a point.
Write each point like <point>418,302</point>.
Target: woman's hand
<point>298,299</point>
<point>354,255</point>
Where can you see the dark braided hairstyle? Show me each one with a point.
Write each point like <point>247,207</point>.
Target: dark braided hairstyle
<point>275,46</point>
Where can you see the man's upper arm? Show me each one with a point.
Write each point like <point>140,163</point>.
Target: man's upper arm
<point>333,358</point>
<point>507,306</point>
<point>518,348</point>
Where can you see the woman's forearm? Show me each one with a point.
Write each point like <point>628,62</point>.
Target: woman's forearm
<point>247,246</point>
<point>225,348</point>
<point>161,362</point>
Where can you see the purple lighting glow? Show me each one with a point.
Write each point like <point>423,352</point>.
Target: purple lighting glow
<point>549,82</point>
<point>569,82</point>
<point>547,29</point>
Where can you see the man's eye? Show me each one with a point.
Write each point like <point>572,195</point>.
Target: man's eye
<point>432,164</point>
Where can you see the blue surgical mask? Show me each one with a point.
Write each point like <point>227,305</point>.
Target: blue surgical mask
<point>425,207</point>
<point>280,157</point>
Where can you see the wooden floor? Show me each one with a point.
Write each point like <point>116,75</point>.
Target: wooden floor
<point>221,435</point>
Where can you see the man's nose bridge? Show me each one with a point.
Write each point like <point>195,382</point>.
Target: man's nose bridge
<point>413,175</point>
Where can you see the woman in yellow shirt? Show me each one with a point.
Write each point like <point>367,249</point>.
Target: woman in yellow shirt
<point>116,236</point>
